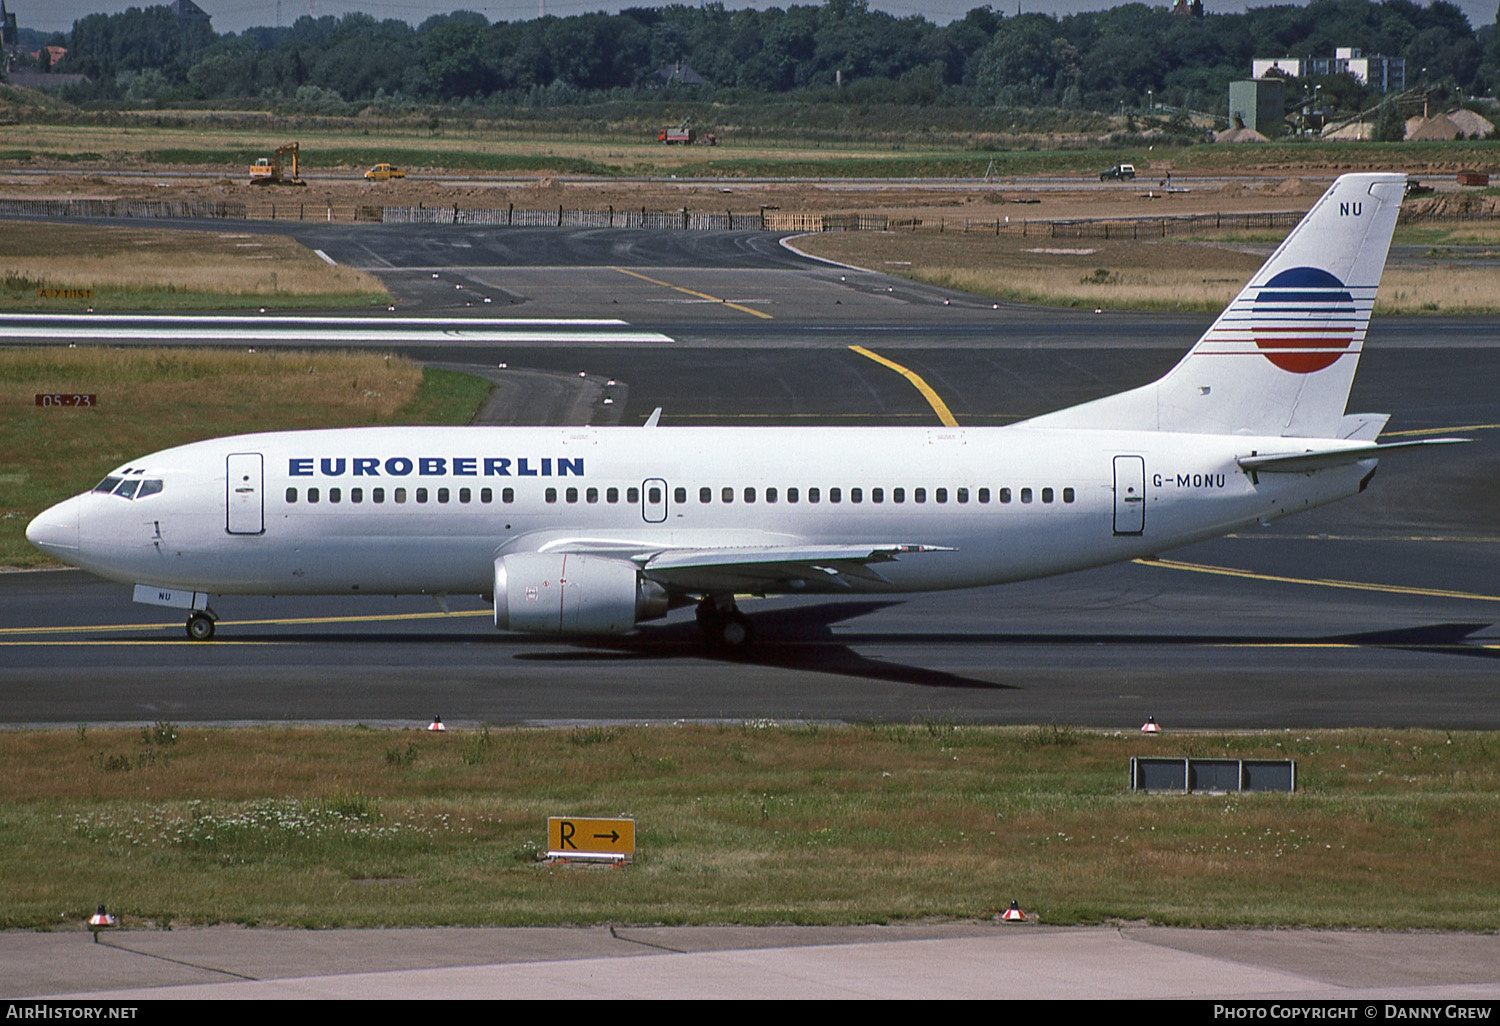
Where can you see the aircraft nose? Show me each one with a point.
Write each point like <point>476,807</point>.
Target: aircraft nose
<point>55,530</point>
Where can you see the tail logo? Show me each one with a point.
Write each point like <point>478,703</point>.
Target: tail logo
<point>1304,320</point>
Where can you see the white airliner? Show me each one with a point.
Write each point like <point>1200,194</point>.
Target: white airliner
<point>589,531</point>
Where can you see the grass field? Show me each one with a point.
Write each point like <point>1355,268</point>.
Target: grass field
<point>61,267</point>
<point>740,824</point>
<point>151,399</point>
<point>1202,273</point>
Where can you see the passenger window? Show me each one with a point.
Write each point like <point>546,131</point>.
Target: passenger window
<point>653,495</point>
<point>356,495</point>
<point>592,495</point>
<point>508,495</point>
<point>571,494</point>
<point>812,495</point>
<point>421,494</point>
<point>312,495</point>
<point>377,494</point>
<point>1025,494</point>
<point>941,495</point>
<point>335,494</point>
<point>633,495</point>
<point>1005,495</point>
<point>443,495</point>
<point>1067,495</point>
<point>728,494</point>
<point>291,495</point>
<point>1046,494</point>
<point>963,495</point>
<point>898,494</point>
<point>612,495</point>
<point>791,495</point>
<point>486,495</point>
<point>148,488</point>
<point>856,495</point>
<point>835,495</point>
<point>705,495</point>
<point>749,494</point>
<point>465,495</point>
<point>550,495</point>
<point>400,494</point>
<point>919,495</point>
<point>679,495</point>
<point>877,494</point>
<point>770,495</point>
<point>984,495</point>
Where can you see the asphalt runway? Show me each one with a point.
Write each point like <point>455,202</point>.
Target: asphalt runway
<point>1380,610</point>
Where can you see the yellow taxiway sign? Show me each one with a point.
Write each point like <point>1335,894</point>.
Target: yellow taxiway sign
<point>575,837</point>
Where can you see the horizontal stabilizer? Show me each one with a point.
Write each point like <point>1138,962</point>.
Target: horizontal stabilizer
<point>1318,459</point>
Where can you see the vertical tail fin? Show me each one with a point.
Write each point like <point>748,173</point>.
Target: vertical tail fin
<point>1280,359</point>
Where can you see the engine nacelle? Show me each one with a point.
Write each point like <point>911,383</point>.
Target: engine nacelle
<point>565,593</point>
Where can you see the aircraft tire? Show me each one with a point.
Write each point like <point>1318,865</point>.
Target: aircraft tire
<point>200,627</point>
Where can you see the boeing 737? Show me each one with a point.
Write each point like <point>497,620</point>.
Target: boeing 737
<point>590,531</point>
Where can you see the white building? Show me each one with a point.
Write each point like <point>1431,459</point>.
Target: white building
<point>1386,74</point>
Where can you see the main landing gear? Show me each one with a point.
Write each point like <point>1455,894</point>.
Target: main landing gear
<point>200,626</point>
<point>726,629</point>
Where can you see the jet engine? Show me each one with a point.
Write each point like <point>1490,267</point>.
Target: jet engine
<point>566,593</point>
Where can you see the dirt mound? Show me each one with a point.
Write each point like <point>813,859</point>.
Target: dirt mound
<point>1471,124</point>
<point>1239,135</point>
<point>1296,187</point>
<point>1434,129</point>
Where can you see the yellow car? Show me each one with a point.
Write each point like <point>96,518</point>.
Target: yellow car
<point>383,172</point>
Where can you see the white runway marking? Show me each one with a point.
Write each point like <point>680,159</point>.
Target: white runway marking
<point>319,329</point>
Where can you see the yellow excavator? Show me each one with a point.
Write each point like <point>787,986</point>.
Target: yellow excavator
<point>272,170</point>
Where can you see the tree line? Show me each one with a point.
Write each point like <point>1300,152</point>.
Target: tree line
<point>840,50</point>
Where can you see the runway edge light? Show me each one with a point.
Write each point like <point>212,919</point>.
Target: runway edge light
<point>1150,726</point>
<point>101,920</point>
<point>1013,914</point>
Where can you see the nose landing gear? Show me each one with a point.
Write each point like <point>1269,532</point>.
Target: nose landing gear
<point>200,626</point>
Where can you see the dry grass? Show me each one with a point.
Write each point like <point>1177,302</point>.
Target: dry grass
<point>740,823</point>
<point>126,262</point>
<point>1160,274</point>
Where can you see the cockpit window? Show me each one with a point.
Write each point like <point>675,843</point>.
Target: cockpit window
<point>148,487</point>
<point>107,485</point>
<point>127,488</point>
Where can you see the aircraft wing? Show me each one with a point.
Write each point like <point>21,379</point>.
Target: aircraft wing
<point>1318,459</point>
<point>819,567</point>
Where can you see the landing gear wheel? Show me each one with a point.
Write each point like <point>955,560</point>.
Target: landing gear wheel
<point>200,627</point>
<point>735,633</point>
<point>727,631</point>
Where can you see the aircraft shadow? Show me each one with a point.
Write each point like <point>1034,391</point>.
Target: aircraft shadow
<point>797,638</point>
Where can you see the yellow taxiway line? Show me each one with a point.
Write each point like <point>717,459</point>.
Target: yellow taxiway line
<point>933,399</point>
<point>1322,582</point>
<point>1438,431</point>
<point>698,295</point>
<point>300,621</point>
